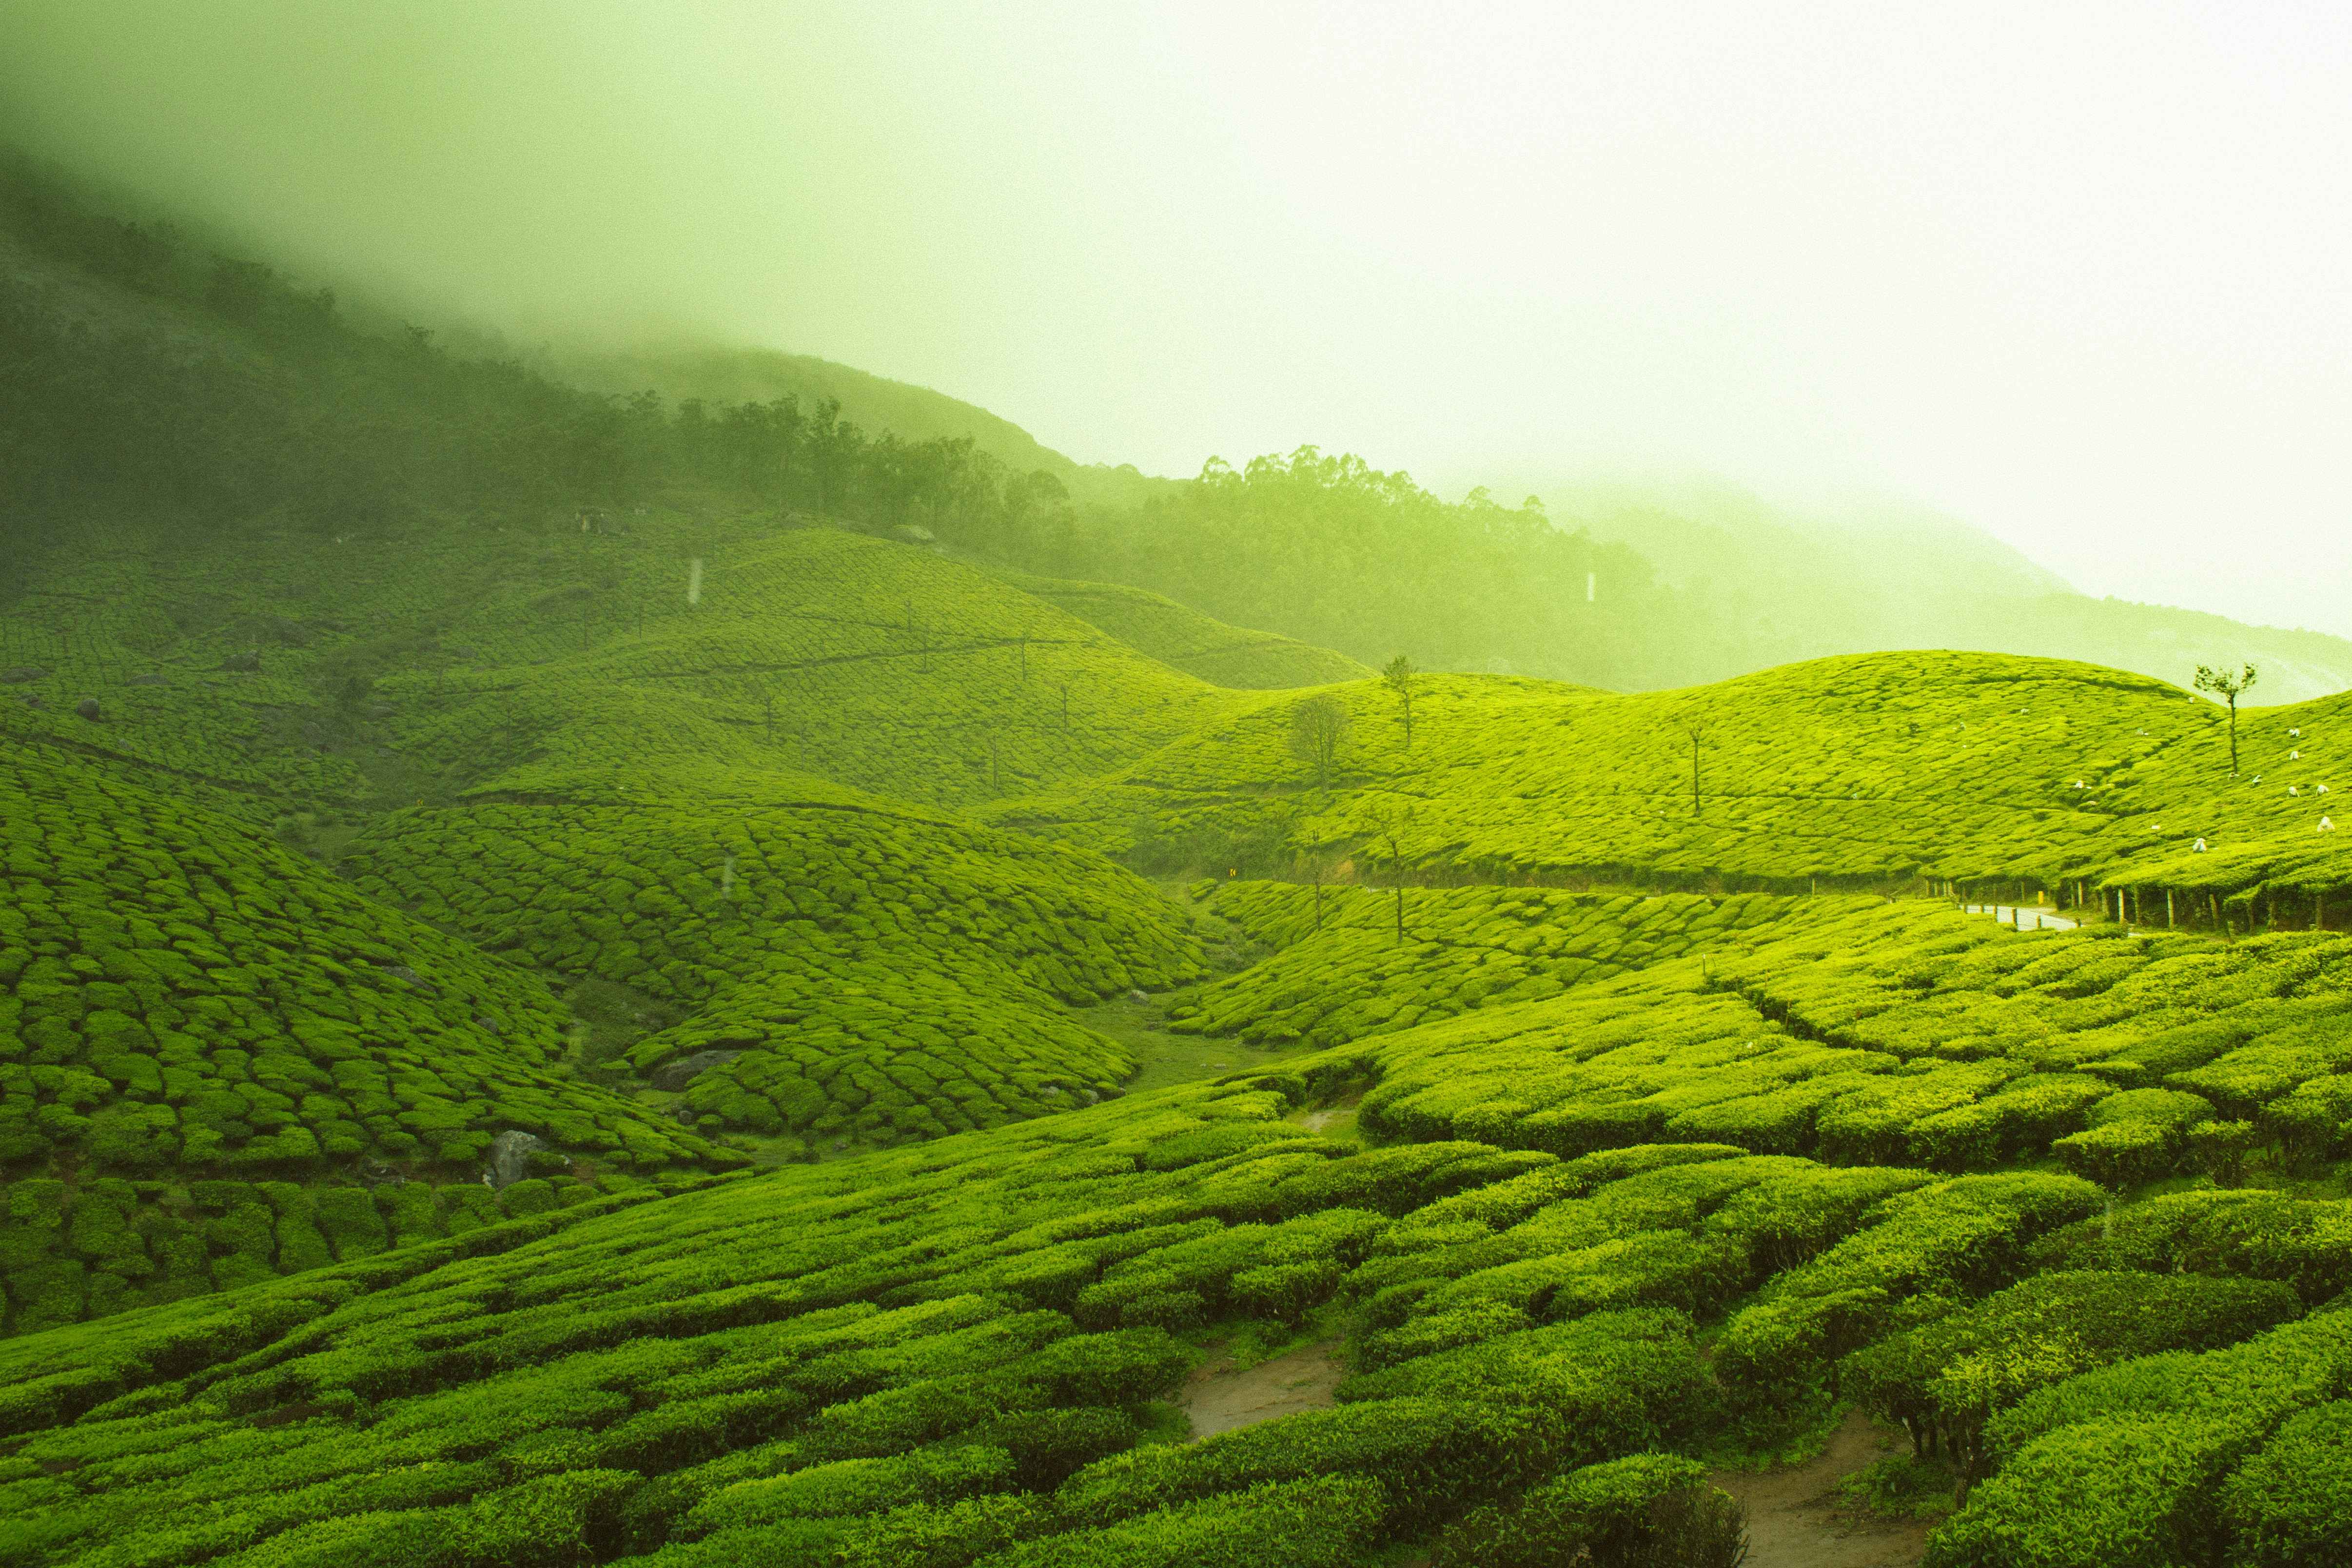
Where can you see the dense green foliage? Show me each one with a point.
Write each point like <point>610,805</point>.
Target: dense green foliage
<point>1889,770</point>
<point>185,996</point>
<point>1903,1031</point>
<point>844,1358</point>
<point>186,999</point>
<point>1634,1100</point>
<point>877,973</point>
<point>1340,974</point>
<point>1182,637</point>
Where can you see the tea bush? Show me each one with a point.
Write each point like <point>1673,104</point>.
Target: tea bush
<point>879,972</point>
<point>1348,977</point>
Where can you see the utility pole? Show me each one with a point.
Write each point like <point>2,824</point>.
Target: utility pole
<point>1697,734</point>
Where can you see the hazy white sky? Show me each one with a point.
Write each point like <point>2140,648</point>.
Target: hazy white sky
<point>2080,274</point>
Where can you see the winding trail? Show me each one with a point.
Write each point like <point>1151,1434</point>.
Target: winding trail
<point>1793,1520</point>
<point>1218,1398</point>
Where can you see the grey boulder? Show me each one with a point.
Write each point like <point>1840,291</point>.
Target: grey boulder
<point>511,1154</point>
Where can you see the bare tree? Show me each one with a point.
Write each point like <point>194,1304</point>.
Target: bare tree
<point>1317,866</point>
<point>2228,687</point>
<point>1318,726</point>
<point>1391,825</point>
<point>1400,677</point>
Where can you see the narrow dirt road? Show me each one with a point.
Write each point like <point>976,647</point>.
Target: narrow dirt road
<point>1219,1399</point>
<point>1792,1522</point>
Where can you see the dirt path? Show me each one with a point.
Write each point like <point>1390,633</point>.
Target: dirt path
<point>1219,1399</point>
<point>1792,1523</point>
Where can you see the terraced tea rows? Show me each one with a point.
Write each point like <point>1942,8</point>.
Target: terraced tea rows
<point>1341,973</point>
<point>851,970</point>
<point>1911,1034</point>
<point>1183,638</point>
<point>1883,770</point>
<point>949,1355</point>
<point>103,1244</point>
<point>186,999</point>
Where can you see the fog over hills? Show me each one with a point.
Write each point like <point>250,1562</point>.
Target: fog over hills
<point>1206,786</point>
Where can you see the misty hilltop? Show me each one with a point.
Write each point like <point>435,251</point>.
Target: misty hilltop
<point>691,957</point>
<point>1626,587</point>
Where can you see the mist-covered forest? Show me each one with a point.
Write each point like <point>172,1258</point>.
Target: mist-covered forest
<point>221,390</point>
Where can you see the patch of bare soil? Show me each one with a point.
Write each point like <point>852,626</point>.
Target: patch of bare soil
<point>1219,1397</point>
<point>1793,1520</point>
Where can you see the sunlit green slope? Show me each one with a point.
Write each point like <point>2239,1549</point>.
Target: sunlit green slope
<point>1200,645</point>
<point>432,662</point>
<point>1880,769</point>
<point>187,1008</point>
<point>864,970</point>
<point>1343,970</point>
<point>955,1354</point>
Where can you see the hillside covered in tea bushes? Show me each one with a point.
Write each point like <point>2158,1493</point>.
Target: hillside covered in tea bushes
<point>958,1352</point>
<point>1886,771</point>
<point>226,1052</point>
<point>583,982</point>
<point>843,966</point>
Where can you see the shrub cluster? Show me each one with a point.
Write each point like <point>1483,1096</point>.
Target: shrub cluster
<point>880,973</point>
<point>1340,974</point>
<point>184,997</point>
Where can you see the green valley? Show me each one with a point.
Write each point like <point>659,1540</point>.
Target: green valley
<point>691,958</point>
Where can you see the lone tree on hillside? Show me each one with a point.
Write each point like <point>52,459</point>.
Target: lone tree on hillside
<point>1317,727</point>
<point>2229,689</point>
<point>1391,825</point>
<point>1696,732</point>
<point>1399,676</point>
<point>1315,866</point>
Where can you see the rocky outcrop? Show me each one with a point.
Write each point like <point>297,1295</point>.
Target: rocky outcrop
<point>511,1154</point>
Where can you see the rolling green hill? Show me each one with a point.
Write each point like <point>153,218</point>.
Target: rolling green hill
<point>951,1353</point>
<point>424,664</point>
<point>1185,639</point>
<point>190,1009</point>
<point>840,968</point>
<point>473,755</point>
<point>1887,770</point>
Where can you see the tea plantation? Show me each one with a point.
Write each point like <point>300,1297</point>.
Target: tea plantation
<point>214,1038</point>
<point>1887,771</point>
<point>333,670</point>
<point>1183,638</point>
<point>956,1353</point>
<point>758,874</point>
<point>1341,973</point>
<point>848,968</point>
